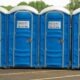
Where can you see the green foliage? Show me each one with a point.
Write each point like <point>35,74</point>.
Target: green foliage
<point>7,7</point>
<point>32,4</point>
<point>39,5</point>
<point>22,3</point>
<point>74,4</point>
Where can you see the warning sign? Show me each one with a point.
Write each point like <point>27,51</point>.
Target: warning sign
<point>54,25</point>
<point>22,24</point>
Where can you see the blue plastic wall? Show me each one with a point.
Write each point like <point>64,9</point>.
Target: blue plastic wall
<point>75,41</point>
<point>23,42</point>
<point>54,43</point>
<point>3,40</point>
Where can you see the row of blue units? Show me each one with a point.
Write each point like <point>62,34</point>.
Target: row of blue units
<point>38,40</point>
<point>32,39</point>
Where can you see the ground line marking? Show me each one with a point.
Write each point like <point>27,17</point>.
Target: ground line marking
<point>60,77</point>
<point>19,73</point>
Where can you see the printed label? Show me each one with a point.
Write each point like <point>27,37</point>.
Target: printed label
<point>22,24</point>
<point>54,24</point>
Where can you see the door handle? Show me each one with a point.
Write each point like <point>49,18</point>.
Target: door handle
<point>29,40</point>
<point>61,40</point>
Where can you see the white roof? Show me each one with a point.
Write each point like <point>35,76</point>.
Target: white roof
<point>3,10</point>
<point>76,11</point>
<point>17,8</point>
<point>51,8</point>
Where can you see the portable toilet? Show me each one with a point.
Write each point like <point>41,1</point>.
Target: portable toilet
<point>76,39</point>
<point>54,37</point>
<point>23,37</point>
<point>3,37</point>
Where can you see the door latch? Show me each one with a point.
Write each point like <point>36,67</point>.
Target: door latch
<point>61,40</point>
<point>29,40</point>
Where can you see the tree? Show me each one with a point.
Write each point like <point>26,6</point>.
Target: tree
<point>39,5</point>
<point>22,3</point>
<point>7,7</point>
<point>74,4</point>
<point>32,4</point>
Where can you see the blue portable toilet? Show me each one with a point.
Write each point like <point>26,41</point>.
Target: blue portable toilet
<point>76,39</point>
<point>54,37</point>
<point>3,37</point>
<point>23,37</point>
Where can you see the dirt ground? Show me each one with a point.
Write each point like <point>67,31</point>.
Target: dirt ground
<point>39,74</point>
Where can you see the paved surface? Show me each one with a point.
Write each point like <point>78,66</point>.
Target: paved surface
<point>39,74</point>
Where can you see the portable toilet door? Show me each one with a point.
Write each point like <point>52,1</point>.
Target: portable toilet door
<point>54,37</point>
<point>76,39</point>
<point>22,37</point>
<point>3,37</point>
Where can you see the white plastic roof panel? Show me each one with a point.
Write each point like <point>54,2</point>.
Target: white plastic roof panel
<point>3,10</point>
<point>17,8</point>
<point>55,8</point>
<point>76,11</point>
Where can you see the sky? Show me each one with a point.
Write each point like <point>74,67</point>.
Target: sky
<point>50,2</point>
